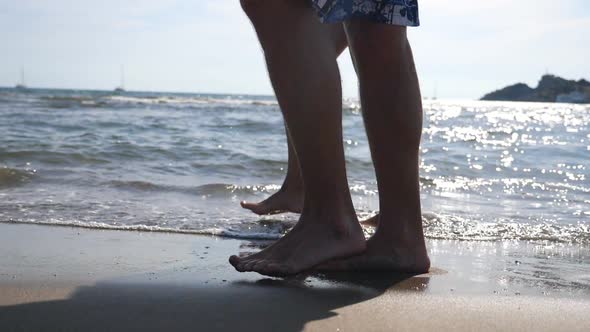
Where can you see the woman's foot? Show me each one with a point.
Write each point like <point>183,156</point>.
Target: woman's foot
<point>317,238</point>
<point>284,200</point>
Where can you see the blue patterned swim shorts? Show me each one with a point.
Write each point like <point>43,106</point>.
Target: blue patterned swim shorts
<point>396,12</point>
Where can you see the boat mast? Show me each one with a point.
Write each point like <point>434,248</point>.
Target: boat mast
<point>22,75</point>
<point>434,92</point>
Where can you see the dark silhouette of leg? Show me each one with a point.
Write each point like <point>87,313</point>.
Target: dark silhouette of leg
<point>304,74</point>
<point>392,111</point>
<point>290,197</point>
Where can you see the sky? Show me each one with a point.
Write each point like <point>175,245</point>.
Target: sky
<point>463,48</point>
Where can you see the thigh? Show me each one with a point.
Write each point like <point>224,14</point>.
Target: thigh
<point>293,21</point>
<point>375,47</point>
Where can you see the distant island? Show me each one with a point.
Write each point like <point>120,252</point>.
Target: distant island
<point>551,88</point>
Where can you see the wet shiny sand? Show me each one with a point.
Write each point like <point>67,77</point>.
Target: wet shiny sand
<point>62,278</point>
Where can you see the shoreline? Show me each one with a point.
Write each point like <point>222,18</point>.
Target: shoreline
<point>86,279</point>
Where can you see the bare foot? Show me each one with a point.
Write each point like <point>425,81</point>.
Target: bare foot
<point>280,202</point>
<point>371,222</point>
<point>383,254</point>
<point>314,240</point>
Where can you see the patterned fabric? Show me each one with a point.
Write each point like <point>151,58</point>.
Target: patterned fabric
<point>397,12</point>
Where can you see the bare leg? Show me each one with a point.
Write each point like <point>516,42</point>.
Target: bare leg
<point>305,77</point>
<point>290,197</point>
<point>392,110</point>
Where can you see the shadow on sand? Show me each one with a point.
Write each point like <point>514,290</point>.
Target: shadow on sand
<point>261,305</point>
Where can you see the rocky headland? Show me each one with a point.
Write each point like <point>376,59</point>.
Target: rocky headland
<point>551,88</point>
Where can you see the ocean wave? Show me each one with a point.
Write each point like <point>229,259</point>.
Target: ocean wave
<point>452,227</point>
<point>52,157</point>
<point>209,190</point>
<point>10,177</point>
<point>218,189</point>
<point>107,99</point>
<point>214,231</point>
<point>131,99</point>
<point>186,101</point>
<point>58,101</point>
<point>435,227</point>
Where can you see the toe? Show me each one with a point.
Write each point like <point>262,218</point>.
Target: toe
<point>257,208</point>
<point>260,265</point>
<point>268,268</point>
<point>249,265</point>
<point>247,205</point>
<point>234,260</point>
<point>265,268</point>
<point>241,267</point>
<point>237,263</point>
<point>262,208</point>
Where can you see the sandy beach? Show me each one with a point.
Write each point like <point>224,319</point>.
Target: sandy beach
<point>63,278</point>
<point>145,144</point>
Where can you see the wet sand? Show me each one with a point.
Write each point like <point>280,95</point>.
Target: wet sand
<point>62,278</point>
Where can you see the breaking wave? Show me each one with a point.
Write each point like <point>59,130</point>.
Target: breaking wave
<point>436,226</point>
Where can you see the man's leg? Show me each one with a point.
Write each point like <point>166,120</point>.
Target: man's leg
<point>392,111</point>
<point>290,197</point>
<point>305,77</point>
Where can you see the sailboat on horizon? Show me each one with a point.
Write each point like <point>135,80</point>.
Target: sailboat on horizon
<point>21,85</point>
<point>434,92</point>
<point>121,87</point>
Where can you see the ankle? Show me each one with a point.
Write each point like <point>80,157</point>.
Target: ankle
<point>399,230</point>
<point>336,213</point>
<point>291,189</point>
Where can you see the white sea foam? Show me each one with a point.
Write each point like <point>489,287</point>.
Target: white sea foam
<point>436,226</point>
<point>229,233</point>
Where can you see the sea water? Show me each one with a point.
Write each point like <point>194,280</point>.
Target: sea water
<point>182,163</point>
